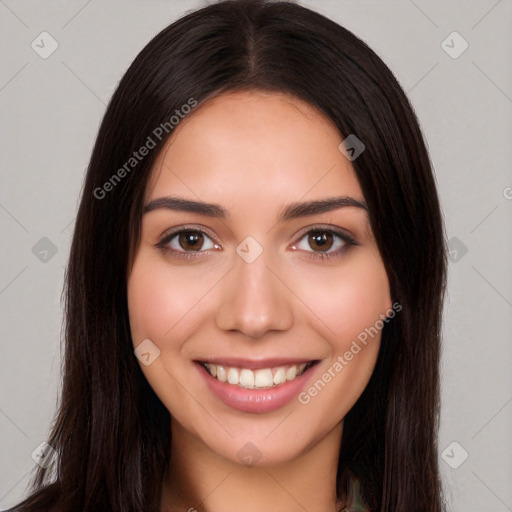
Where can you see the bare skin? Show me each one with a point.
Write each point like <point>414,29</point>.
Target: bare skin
<point>254,153</point>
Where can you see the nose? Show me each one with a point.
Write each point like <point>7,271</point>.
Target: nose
<point>254,299</point>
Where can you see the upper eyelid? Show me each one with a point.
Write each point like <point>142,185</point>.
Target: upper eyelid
<point>170,233</point>
<point>325,227</point>
<point>338,231</point>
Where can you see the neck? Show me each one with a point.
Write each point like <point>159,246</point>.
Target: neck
<point>200,480</point>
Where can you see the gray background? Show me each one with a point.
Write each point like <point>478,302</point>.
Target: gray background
<point>51,109</point>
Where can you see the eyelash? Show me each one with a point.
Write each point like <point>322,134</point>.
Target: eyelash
<point>348,243</point>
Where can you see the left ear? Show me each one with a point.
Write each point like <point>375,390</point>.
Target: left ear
<point>388,309</point>
<point>393,307</point>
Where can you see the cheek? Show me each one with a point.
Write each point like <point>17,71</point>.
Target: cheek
<point>165,303</point>
<point>147,302</point>
<point>156,301</point>
<point>349,298</point>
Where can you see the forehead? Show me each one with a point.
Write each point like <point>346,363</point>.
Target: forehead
<point>253,146</point>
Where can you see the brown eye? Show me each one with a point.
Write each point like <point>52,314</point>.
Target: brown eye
<point>187,241</point>
<point>325,243</point>
<point>191,240</point>
<point>320,240</point>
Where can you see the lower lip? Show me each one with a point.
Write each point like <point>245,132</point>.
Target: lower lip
<point>255,400</point>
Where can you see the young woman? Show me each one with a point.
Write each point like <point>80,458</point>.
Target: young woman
<point>255,284</point>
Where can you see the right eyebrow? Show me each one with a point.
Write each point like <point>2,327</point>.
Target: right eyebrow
<point>187,205</point>
<point>291,211</point>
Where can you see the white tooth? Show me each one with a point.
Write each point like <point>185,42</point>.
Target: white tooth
<point>247,378</point>
<point>233,376</point>
<point>291,372</point>
<point>221,373</point>
<point>263,378</point>
<point>212,369</point>
<point>280,376</point>
<point>301,367</point>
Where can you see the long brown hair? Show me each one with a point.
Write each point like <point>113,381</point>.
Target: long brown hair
<point>111,433</point>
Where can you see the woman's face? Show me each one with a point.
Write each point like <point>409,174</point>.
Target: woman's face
<point>271,293</point>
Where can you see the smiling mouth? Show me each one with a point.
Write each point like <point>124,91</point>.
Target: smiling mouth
<point>262,378</point>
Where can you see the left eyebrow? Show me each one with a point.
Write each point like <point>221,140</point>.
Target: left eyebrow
<point>296,210</point>
<point>291,211</point>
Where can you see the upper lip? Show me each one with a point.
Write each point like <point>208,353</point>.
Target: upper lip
<point>254,364</point>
